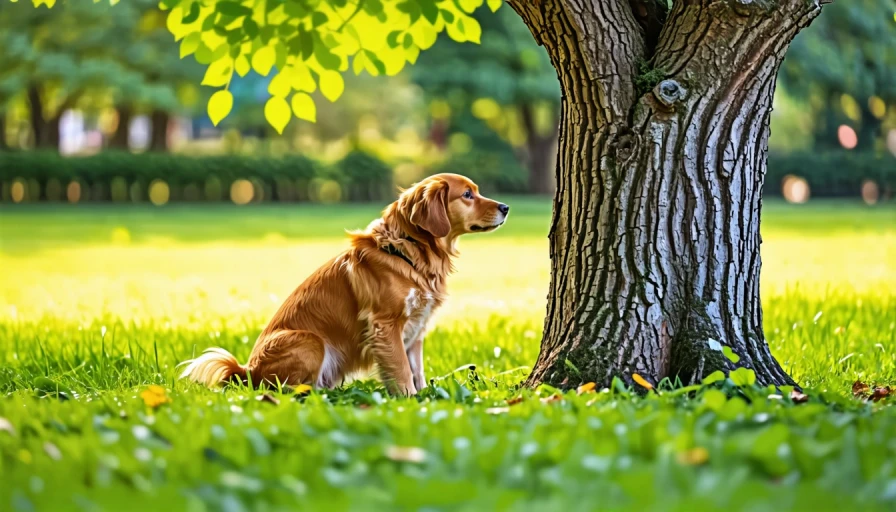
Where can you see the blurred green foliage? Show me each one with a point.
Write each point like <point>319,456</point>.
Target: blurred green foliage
<point>844,68</point>
<point>92,57</point>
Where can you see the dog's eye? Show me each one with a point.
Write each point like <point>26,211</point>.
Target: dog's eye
<point>468,194</point>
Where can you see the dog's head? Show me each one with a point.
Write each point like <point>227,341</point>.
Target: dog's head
<point>450,205</point>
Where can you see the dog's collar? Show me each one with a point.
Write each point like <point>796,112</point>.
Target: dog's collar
<point>394,251</point>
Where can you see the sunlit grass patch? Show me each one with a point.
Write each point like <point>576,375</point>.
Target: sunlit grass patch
<point>98,306</point>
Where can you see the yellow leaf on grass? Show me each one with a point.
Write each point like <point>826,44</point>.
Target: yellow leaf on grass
<point>263,60</point>
<point>303,107</point>
<point>331,85</point>
<point>301,389</point>
<point>641,381</point>
<point>586,388</point>
<point>154,396</point>
<point>219,105</point>
<point>276,111</point>
<point>694,456</point>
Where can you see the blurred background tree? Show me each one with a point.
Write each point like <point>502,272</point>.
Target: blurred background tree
<point>843,73</point>
<point>500,97</point>
<point>83,77</point>
<point>108,64</point>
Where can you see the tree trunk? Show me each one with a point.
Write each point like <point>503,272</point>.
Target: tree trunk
<point>539,155</point>
<point>36,114</point>
<point>3,144</point>
<point>120,139</point>
<point>869,130</point>
<point>654,241</point>
<point>158,140</point>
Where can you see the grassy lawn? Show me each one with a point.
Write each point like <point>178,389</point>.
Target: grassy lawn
<point>99,302</point>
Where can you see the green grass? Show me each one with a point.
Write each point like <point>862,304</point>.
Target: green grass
<point>99,302</point>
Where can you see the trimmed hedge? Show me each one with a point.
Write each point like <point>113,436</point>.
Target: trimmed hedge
<point>493,171</point>
<point>120,176</point>
<point>832,173</point>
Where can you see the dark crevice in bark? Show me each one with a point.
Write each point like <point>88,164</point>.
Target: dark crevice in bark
<point>654,241</point>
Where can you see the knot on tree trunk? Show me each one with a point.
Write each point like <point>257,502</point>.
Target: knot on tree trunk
<point>669,92</point>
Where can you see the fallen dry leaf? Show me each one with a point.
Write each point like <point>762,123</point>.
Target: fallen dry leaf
<point>880,393</point>
<point>406,453</point>
<point>6,426</point>
<point>515,400</point>
<point>52,451</point>
<point>564,381</point>
<point>497,410</point>
<point>586,388</point>
<point>552,398</point>
<point>154,396</point>
<point>268,398</point>
<point>859,388</point>
<point>641,381</point>
<point>798,397</point>
<point>694,456</point>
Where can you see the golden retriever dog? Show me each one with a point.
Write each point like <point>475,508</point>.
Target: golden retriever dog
<point>369,305</point>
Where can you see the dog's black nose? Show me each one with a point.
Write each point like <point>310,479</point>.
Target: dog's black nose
<point>503,208</point>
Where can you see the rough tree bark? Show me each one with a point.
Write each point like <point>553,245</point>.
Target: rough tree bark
<point>655,238</point>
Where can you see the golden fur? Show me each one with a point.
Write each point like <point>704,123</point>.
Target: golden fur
<point>369,305</point>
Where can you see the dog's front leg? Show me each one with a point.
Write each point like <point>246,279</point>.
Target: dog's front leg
<point>389,354</point>
<point>415,359</point>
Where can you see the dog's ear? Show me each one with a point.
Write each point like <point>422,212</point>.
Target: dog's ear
<point>430,209</point>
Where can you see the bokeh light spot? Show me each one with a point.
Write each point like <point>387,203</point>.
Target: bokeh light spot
<point>851,107</point>
<point>795,189</point>
<point>870,192</point>
<point>159,192</point>
<point>460,143</point>
<point>73,192</point>
<point>18,191</point>
<point>439,109</point>
<point>121,236</point>
<point>242,191</point>
<point>891,141</point>
<point>486,108</point>
<point>877,106</point>
<point>847,136</point>
<point>329,192</point>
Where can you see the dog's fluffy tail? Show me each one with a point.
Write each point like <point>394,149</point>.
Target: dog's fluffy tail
<point>214,367</point>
